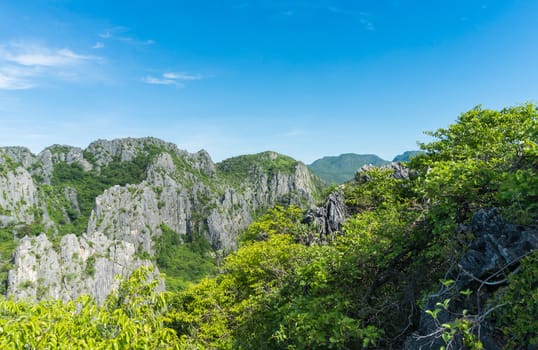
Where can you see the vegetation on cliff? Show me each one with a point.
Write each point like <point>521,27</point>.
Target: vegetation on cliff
<point>367,287</point>
<point>177,210</point>
<point>243,168</point>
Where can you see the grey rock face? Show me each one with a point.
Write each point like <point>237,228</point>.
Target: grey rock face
<point>20,155</point>
<point>231,216</point>
<point>36,265</point>
<point>128,214</point>
<point>126,149</point>
<point>134,213</point>
<point>263,189</point>
<point>184,191</point>
<point>85,265</point>
<point>202,161</point>
<point>58,154</point>
<point>173,197</point>
<point>398,171</point>
<point>498,245</point>
<point>18,197</point>
<point>329,218</point>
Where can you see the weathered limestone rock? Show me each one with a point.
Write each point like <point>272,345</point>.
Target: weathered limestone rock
<point>497,245</point>
<point>18,196</point>
<point>20,155</point>
<point>126,149</point>
<point>263,189</point>
<point>85,265</point>
<point>398,171</point>
<point>329,218</point>
<point>181,190</point>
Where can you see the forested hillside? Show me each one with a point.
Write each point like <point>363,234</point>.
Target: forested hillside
<point>441,255</point>
<point>342,168</point>
<point>406,156</point>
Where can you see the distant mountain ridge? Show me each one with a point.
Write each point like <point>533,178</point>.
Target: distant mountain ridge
<point>342,168</point>
<point>339,169</point>
<point>406,156</point>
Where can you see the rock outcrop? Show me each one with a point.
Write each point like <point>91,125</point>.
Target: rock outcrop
<point>20,155</point>
<point>18,193</point>
<point>85,265</point>
<point>327,219</point>
<point>399,171</point>
<point>498,246</point>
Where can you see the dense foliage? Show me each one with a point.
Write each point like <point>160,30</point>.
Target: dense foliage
<point>131,318</point>
<point>363,289</point>
<point>7,246</point>
<point>241,168</point>
<point>183,263</point>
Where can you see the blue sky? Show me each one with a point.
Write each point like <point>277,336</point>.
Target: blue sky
<point>304,78</point>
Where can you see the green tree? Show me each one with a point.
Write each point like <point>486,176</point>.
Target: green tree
<point>131,318</point>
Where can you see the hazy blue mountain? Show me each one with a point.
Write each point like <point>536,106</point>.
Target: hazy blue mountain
<point>406,156</point>
<point>339,169</point>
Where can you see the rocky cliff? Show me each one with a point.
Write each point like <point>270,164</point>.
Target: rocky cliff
<point>495,252</point>
<point>80,217</point>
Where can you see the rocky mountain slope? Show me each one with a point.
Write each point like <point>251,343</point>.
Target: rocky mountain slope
<point>72,219</point>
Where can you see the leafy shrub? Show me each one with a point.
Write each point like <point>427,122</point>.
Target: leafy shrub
<point>131,318</point>
<point>183,262</point>
<point>517,318</point>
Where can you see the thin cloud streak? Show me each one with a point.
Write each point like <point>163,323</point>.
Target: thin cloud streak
<point>160,81</point>
<point>182,76</point>
<point>172,78</point>
<point>34,55</point>
<point>13,83</point>
<point>16,78</point>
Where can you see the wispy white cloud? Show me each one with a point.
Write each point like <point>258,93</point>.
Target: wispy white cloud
<point>182,76</point>
<point>161,81</point>
<point>35,55</point>
<point>172,78</point>
<point>16,78</point>
<point>98,45</point>
<point>13,82</point>
<point>133,41</point>
<point>23,65</point>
